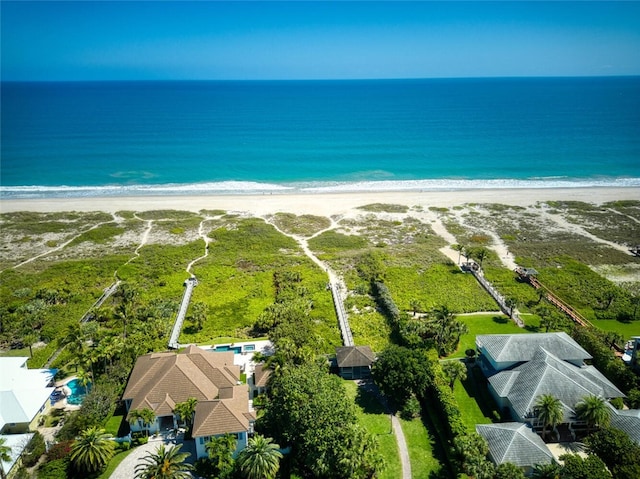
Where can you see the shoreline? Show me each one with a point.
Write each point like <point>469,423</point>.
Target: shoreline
<point>321,203</point>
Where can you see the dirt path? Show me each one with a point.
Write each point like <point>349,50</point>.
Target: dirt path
<point>579,230</point>
<point>143,240</point>
<point>635,220</point>
<point>206,240</point>
<point>63,245</point>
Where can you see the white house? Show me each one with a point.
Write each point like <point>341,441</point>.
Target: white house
<point>24,395</point>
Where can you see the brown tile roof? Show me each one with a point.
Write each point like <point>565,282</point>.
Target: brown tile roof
<point>354,356</point>
<point>229,414</point>
<point>160,380</point>
<point>261,375</point>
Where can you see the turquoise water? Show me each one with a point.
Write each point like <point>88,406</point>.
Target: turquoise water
<point>78,392</point>
<point>158,138</point>
<point>224,348</point>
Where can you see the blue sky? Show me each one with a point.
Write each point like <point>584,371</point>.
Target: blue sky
<point>110,40</point>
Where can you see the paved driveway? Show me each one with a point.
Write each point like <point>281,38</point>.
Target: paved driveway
<point>126,469</point>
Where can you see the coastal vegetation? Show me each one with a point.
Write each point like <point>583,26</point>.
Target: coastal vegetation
<point>405,298</point>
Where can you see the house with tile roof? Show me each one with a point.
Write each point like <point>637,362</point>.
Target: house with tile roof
<point>25,395</point>
<point>497,352</point>
<point>517,389</point>
<point>354,362</point>
<point>258,380</point>
<point>161,380</point>
<point>516,443</point>
<point>627,420</point>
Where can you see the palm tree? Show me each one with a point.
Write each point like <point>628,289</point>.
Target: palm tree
<point>5,456</point>
<point>145,415</point>
<point>198,315</point>
<point>186,410</point>
<point>594,411</point>
<point>481,254</point>
<point>549,411</point>
<point>164,464</point>
<point>454,370</point>
<point>260,459</point>
<point>92,450</point>
<point>220,450</point>
<point>546,471</point>
<point>459,248</point>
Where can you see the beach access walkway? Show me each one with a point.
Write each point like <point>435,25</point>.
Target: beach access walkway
<point>343,320</point>
<point>528,275</point>
<point>474,268</point>
<point>182,312</point>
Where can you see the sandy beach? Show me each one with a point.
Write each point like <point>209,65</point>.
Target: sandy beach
<point>324,204</point>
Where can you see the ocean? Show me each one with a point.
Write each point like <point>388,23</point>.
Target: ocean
<point>77,139</point>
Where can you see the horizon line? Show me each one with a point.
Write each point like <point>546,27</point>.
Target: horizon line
<point>248,80</point>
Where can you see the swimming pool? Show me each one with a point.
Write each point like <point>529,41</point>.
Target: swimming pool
<point>235,349</point>
<point>226,347</point>
<point>78,392</point>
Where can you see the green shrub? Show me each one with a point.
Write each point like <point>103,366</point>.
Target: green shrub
<point>57,469</point>
<point>34,450</point>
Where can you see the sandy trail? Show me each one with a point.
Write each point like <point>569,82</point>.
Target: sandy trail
<point>206,240</point>
<point>497,245</point>
<point>143,240</point>
<point>579,230</point>
<point>66,243</point>
<point>304,244</point>
<point>635,220</point>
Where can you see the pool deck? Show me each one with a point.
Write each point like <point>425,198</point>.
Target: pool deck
<point>62,403</point>
<point>245,359</point>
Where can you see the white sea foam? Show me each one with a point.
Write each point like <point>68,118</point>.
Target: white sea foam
<point>249,187</point>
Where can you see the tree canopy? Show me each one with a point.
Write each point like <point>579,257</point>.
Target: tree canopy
<point>309,410</point>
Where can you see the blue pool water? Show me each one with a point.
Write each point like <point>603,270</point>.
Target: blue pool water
<point>226,347</point>
<point>78,392</point>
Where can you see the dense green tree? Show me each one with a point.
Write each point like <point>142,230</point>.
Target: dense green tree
<point>616,449</point>
<point>594,410</point>
<point>164,463</point>
<point>400,372</point>
<point>92,450</point>
<point>260,459</point>
<point>508,470</point>
<point>575,467</point>
<point>454,370</point>
<point>549,411</point>
<point>471,451</point>
<point>309,410</point>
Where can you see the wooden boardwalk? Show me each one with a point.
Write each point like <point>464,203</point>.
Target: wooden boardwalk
<point>474,269</point>
<point>553,299</point>
<point>343,321</point>
<point>182,312</point>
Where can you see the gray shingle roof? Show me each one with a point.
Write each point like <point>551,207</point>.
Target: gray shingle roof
<point>515,442</point>
<point>547,374</point>
<point>628,420</point>
<point>354,356</point>
<point>522,347</point>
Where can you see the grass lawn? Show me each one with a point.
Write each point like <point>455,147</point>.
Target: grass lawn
<point>421,446</point>
<point>372,417</point>
<point>486,324</point>
<point>627,330</point>
<point>115,462</point>
<point>475,403</point>
<point>113,425</point>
